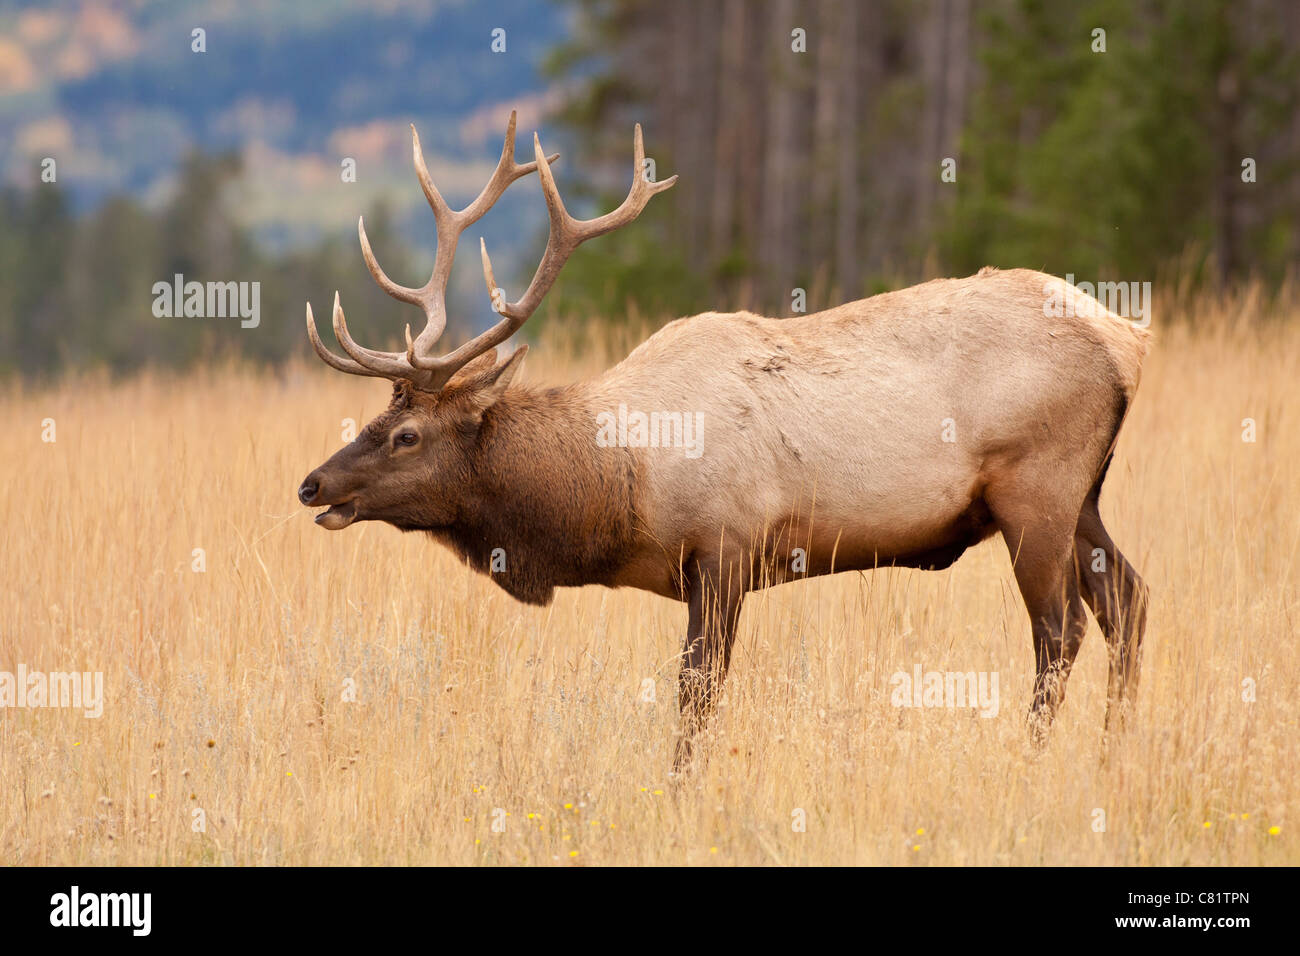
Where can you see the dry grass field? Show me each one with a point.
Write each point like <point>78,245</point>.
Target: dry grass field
<point>224,689</point>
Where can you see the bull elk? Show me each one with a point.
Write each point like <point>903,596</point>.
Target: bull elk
<point>898,430</point>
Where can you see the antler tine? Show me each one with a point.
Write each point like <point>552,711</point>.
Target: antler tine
<point>383,364</point>
<point>507,172</point>
<point>400,292</point>
<point>328,357</point>
<point>435,200</point>
<point>566,235</point>
<point>430,297</point>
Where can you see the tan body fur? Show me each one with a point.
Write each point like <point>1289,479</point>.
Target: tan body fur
<point>826,431</point>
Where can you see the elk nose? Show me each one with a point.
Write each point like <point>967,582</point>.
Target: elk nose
<point>308,489</point>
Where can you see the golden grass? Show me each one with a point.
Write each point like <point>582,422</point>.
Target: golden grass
<point>224,688</point>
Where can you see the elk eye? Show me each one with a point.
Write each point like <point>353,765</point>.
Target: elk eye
<point>407,438</point>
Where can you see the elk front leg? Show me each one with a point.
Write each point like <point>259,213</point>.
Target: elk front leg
<point>710,634</point>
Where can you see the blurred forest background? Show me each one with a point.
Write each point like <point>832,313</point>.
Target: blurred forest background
<point>809,139</point>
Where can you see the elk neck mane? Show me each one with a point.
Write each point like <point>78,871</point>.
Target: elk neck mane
<point>549,508</point>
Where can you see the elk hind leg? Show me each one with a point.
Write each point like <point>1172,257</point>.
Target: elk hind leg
<point>1118,598</point>
<point>1039,536</point>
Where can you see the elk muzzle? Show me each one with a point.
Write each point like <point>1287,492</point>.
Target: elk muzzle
<point>338,515</point>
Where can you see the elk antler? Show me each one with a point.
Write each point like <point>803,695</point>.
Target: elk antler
<point>431,297</point>
<point>566,234</point>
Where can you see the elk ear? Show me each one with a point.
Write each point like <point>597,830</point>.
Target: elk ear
<point>487,388</point>
<point>474,367</point>
<point>402,389</point>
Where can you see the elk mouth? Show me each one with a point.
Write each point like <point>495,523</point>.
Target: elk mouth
<point>337,517</point>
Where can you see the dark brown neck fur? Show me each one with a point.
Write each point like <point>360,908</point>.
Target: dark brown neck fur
<point>560,507</point>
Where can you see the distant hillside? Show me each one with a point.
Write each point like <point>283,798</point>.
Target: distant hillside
<point>116,95</point>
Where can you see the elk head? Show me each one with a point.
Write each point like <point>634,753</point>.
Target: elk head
<point>414,465</point>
